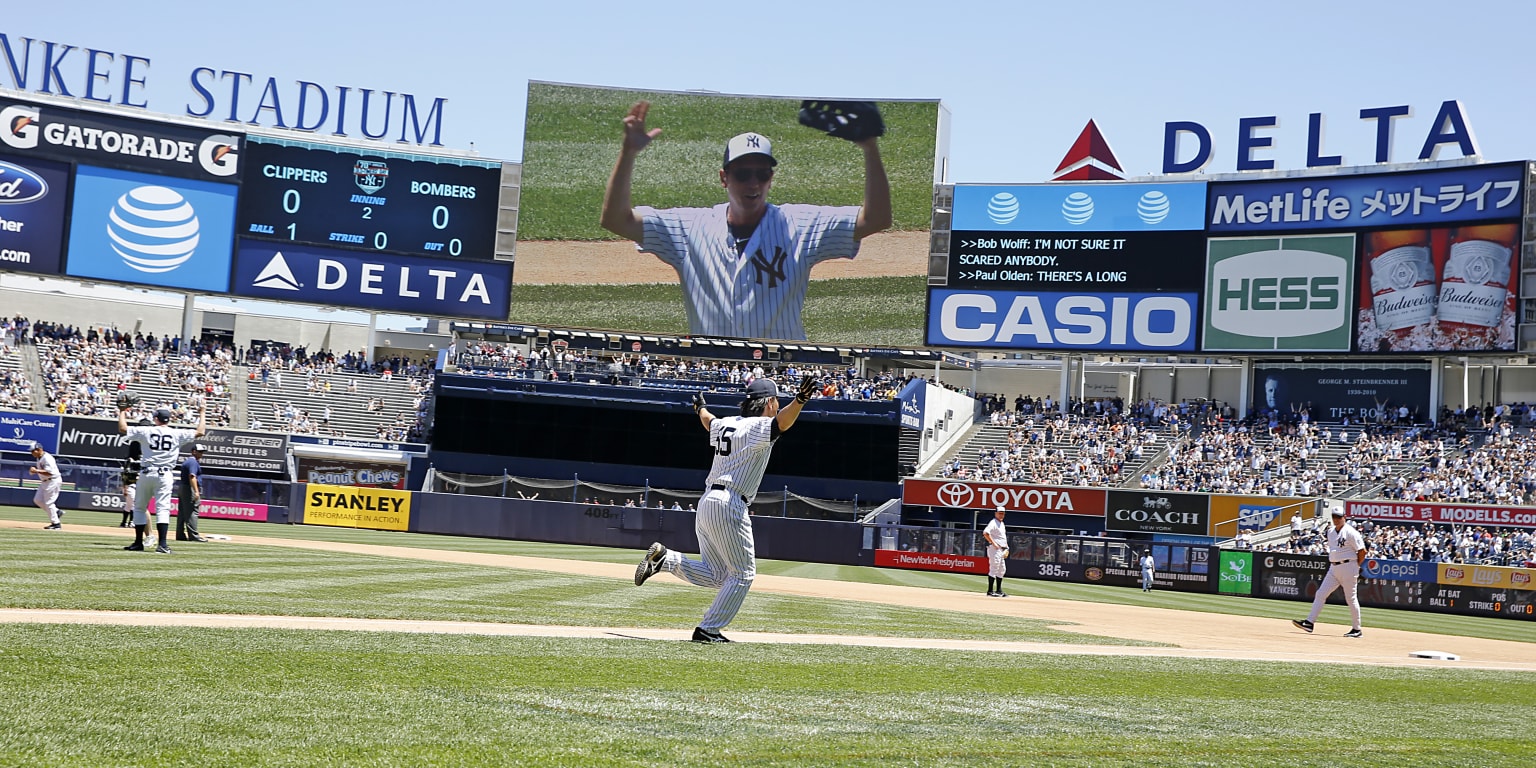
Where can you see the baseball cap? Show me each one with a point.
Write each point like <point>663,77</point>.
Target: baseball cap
<point>1338,513</point>
<point>36,446</point>
<point>748,144</point>
<point>763,387</point>
<point>164,415</point>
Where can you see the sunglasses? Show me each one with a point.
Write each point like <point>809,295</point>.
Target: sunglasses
<point>744,175</point>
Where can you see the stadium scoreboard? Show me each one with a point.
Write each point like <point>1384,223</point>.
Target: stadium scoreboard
<point>356,198</point>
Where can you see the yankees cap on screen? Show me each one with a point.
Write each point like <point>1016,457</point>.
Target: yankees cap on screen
<point>763,387</point>
<point>748,144</point>
<point>164,415</point>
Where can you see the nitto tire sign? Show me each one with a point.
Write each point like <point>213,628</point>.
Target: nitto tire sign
<point>1279,293</point>
<point>92,439</point>
<point>1158,512</point>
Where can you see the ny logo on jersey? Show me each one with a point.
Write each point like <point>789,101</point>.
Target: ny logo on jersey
<point>774,270</point>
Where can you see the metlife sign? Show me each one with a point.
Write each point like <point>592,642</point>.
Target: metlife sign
<point>43,130</point>
<point>34,196</point>
<point>1163,322</point>
<point>374,281</point>
<point>1105,207</point>
<point>155,230</point>
<point>1442,196</point>
<point>1292,293</point>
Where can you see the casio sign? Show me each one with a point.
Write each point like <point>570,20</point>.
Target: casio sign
<point>1071,320</point>
<point>1279,293</point>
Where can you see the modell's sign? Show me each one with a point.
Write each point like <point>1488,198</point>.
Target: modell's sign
<point>1443,514</point>
<point>1158,512</point>
<point>1011,497</point>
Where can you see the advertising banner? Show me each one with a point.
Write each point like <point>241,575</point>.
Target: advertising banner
<point>1158,512</point>
<point>1058,207</point>
<point>95,138</point>
<point>1489,576</point>
<point>1290,293</point>
<point>372,474</point>
<point>1289,576</point>
<point>19,430</point>
<point>347,442</point>
<point>913,397</point>
<point>1151,322</point>
<point>1439,289</point>
<point>963,494</point>
<point>211,509</point>
<point>34,196</point>
<point>927,561</point>
<point>135,228</point>
<point>1032,261</point>
<point>1400,570</point>
<point>1336,392</point>
<point>1234,574</point>
<point>1336,202</point>
<point>264,452</point>
<point>89,438</point>
<point>376,508</point>
<point>1229,514</point>
<point>373,281</point>
<point>1442,513</point>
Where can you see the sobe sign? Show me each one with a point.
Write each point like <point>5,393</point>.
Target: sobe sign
<point>1150,321</point>
<point>1279,293</point>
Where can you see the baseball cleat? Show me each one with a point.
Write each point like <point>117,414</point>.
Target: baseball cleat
<point>163,549</point>
<point>137,546</point>
<point>1354,633</point>
<point>702,635</point>
<point>52,527</point>
<point>651,563</point>
<point>1002,594</point>
<point>1303,625</point>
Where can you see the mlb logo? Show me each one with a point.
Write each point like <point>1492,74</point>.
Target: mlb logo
<point>370,175</point>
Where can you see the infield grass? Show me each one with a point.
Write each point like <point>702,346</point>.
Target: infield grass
<point>96,695</point>
<point>869,311</point>
<point>572,137</point>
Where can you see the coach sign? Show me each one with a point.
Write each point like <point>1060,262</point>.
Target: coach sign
<point>1014,498</point>
<point>1158,512</point>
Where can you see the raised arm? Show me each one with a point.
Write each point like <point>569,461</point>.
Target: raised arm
<point>789,413</point>
<point>618,215</point>
<point>875,214</point>
<point>202,421</point>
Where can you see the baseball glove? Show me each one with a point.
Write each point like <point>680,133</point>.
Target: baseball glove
<point>807,389</point>
<point>126,401</point>
<point>698,401</point>
<point>851,120</point>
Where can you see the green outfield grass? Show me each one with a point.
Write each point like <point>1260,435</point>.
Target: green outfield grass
<point>866,312</point>
<point>572,138</point>
<point>99,695</point>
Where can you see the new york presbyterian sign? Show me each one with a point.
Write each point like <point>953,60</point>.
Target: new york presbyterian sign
<point>60,69</point>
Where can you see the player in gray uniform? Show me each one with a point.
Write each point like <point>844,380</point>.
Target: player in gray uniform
<point>996,535</point>
<point>161,445</point>
<point>741,445</point>
<point>743,264</point>
<point>1346,555</point>
<point>48,482</point>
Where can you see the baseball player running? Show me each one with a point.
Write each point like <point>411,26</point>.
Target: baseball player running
<point>1346,555</point>
<point>161,444</point>
<point>47,496</point>
<point>996,535</point>
<point>728,559</point>
<point>743,264</point>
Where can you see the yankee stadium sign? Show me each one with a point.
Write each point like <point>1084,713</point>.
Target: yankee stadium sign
<point>108,77</point>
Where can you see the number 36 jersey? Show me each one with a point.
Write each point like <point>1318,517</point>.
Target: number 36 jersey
<point>162,445</point>
<point>742,445</point>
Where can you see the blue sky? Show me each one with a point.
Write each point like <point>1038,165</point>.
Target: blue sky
<point>1019,78</point>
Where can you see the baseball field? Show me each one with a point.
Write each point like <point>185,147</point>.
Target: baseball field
<point>310,646</point>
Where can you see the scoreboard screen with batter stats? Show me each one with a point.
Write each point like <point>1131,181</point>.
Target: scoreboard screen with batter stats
<point>341,197</point>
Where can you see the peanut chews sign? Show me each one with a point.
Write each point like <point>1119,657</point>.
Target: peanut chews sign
<point>346,507</point>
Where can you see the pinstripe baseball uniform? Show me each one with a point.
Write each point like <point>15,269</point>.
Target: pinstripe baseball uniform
<point>728,557</point>
<point>47,496</point>
<point>1344,544</point>
<point>997,556</point>
<point>162,448</point>
<point>759,291</point>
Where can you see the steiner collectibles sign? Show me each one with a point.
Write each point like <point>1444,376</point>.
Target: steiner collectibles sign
<point>350,507</point>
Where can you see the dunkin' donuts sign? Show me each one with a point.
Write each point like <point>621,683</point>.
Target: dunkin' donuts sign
<point>1011,497</point>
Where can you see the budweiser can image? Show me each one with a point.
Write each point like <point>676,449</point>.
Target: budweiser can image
<point>1401,276</point>
<point>1474,287</point>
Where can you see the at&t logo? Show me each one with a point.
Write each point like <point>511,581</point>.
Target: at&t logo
<point>154,229</point>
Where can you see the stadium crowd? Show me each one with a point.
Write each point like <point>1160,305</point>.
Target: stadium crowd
<point>1426,542</point>
<point>84,371</point>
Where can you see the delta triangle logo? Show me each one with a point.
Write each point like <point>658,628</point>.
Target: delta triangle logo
<point>276,274</point>
<point>1089,159</point>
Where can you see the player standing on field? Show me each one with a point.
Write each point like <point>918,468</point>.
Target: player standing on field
<point>741,445</point>
<point>743,264</point>
<point>161,447</point>
<point>1346,555</point>
<point>996,535</point>
<point>48,482</point>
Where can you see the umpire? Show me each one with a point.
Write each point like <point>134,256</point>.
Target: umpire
<point>190,496</point>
